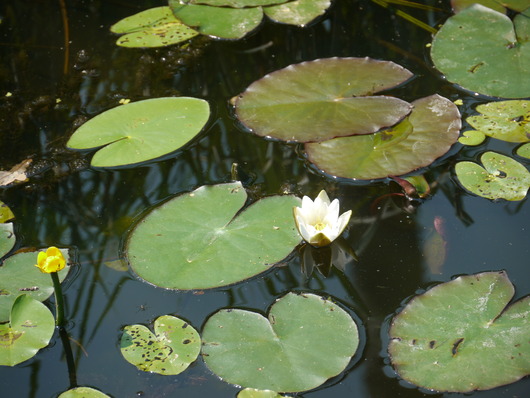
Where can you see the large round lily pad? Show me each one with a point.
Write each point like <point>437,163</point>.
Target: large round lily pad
<point>459,336</point>
<point>221,22</point>
<point>304,341</point>
<point>501,177</point>
<point>18,275</point>
<point>504,120</point>
<point>30,328</point>
<point>428,133</point>
<point>322,99</point>
<point>169,351</point>
<point>201,240</point>
<point>155,27</point>
<point>483,51</point>
<point>142,130</point>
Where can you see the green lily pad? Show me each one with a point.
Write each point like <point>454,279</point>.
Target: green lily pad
<point>472,138</point>
<point>524,151</point>
<point>322,99</point>
<point>483,51</point>
<point>253,393</point>
<point>298,12</point>
<point>169,351</point>
<point>202,239</point>
<point>83,392</point>
<point>235,3</point>
<point>305,340</point>
<point>460,337</point>
<point>500,178</point>
<point>5,213</point>
<point>221,22</point>
<point>504,120</point>
<point>156,27</point>
<point>7,238</point>
<point>142,130</point>
<point>18,275</point>
<point>428,133</point>
<point>30,328</point>
<point>459,5</point>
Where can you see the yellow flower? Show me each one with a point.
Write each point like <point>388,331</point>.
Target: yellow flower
<point>318,222</point>
<point>51,260</point>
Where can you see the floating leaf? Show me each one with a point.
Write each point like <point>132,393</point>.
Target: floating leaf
<point>169,351</point>
<point>516,5</point>
<point>7,238</point>
<point>298,12</point>
<point>5,213</point>
<point>460,337</point>
<point>30,328</point>
<point>504,120</point>
<point>234,3</point>
<point>253,393</point>
<point>500,178</point>
<point>222,22</point>
<point>18,275</point>
<point>472,137</point>
<point>142,130</point>
<point>196,240</point>
<point>16,174</point>
<point>428,133</point>
<point>155,27</point>
<point>524,151</point>
<point>480,50</point>
<point>83,392</point>
<point>322,99</point>
<point>305,340</point>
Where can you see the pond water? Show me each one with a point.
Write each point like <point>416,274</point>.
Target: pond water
<point>69,204</point>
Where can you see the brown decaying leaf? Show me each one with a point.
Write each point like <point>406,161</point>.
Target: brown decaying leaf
<point>16,174</point>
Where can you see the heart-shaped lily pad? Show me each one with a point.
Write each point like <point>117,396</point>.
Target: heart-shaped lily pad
<point>298,12</point>
<point>322,99</point>
<point>428,133</point>
<point>222,22</point>
<point>202,239</point>
<point>305,340</point>
<point>169,351</point>
<point>482,50</point>
<point>18,275</point>
<point>472,138</point>
<point>459,336</point>
<point>504,120</point>
<point>501,177</point>
<point>142,130</point>
<point>30,328</point>
<point>155,27</point>
<point>83,392</point>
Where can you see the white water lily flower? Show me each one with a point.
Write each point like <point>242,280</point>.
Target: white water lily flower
<point>318,222</point>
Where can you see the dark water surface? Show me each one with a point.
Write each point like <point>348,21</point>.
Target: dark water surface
<point>67,203</point>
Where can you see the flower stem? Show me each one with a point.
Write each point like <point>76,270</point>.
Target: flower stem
<point>59,302</point>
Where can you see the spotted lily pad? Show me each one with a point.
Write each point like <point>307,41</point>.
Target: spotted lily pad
<point>483,51</point>
<point>202,239</point>
<point>83,392</point>
<point>298,12</point>
<point>155,27</point>
<point>142,130</point>
<point>18,275</point>
<point>459,336</point>
<point>305,340</point>
<point>169,351</point>
<point>504,120</point>
<point>428,133</point>
<point>500,178</point>
<point>322,99</point>
<point>30,328</point>
<point>221,22</point>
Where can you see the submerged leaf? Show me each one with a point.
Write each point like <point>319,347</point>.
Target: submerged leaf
<point>428,133</point>
<point>202,239</point>
<point>169,351</point>
<point>483,51</point>
<point>500,178</point>
<point>322,99</point>
<point>305,340</point>
<point>460,337</point>
<point>142,130</point>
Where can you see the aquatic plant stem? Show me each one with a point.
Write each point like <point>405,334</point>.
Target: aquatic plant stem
<point>59,302</point>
